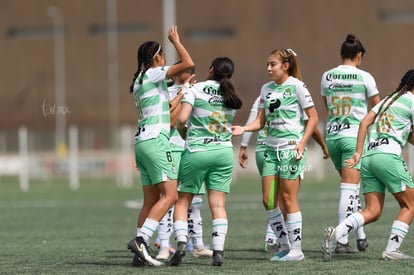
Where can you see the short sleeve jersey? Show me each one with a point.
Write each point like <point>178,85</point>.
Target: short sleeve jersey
<point>284,105</point>
<point>346,89</point>
<point>210,121</point>
<point>151,99</point>
<point>176,142</point>
<point>391,128</point>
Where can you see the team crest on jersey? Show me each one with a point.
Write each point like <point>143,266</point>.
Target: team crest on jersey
<point>287,93</point>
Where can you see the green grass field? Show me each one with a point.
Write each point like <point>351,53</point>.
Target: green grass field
<point>53,230</point>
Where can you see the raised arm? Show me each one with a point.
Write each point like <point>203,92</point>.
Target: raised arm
<point>186,61</point>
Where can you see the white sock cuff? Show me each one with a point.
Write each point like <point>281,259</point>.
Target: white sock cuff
<point>180,225</point>
<point>148,229</point>
<point>181,231</point>
<point>272,214</point>
<point>197,199</point>
<point>399,225</point>
<point>297,216</point>
<point>349,186</point>
<point>358,218</point>
<point>151,222</point>
<point>220,222</point>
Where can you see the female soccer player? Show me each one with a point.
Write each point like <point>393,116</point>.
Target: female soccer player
<point>152,150</point>
<point>347,90</point>
<point>282,103</point>
<point>195,221</point>
<point>382,167</point>
<point>209,108</point>
<point>270,237</point>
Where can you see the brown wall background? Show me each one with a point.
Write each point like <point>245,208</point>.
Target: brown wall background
<point>315,29</point>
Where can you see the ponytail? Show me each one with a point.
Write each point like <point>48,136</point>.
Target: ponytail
<point>223,68</point>
<point>230,97</point>
<point>406,84</point>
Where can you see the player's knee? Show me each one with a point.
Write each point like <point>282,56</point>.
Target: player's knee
<point>172,198</point>
<point>287,198</point>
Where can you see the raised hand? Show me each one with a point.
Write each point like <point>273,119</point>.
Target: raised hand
<point>173,35</point>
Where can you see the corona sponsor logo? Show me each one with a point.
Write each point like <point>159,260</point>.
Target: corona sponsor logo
<point>333,76</point>
<point>211,90</point>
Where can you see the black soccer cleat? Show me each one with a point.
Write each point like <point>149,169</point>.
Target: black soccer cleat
<point>179,254</point>
<point>137,261</point>
<point>362,244</point>
<point>341,248</point>
<point>139,247</point>
<point>218,258</point>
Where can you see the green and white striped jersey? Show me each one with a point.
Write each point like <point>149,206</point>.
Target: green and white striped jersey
<point>347,89</point>
<point>176,141</point>
<point>284,105</point>
<point>151,100</point>
<point>210,121</point>
<point>261,134</point>
<point>391,129</point>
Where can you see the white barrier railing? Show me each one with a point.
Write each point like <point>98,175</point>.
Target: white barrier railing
<point>73,158</point>
<point>24,159</point>
<point>31,164</point>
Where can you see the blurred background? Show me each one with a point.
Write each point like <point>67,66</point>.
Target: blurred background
<point>66,67</point>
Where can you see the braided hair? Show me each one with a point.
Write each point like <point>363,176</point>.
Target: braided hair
<point>145,55</point>
<point>406,84</point>
<point>223,68</point>
<point>351,47</point>
<point>289,56</point>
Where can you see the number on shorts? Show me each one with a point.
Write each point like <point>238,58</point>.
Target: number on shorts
<point>169,157</point>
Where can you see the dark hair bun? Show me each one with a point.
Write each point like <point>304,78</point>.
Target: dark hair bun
<point>350,38</point>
